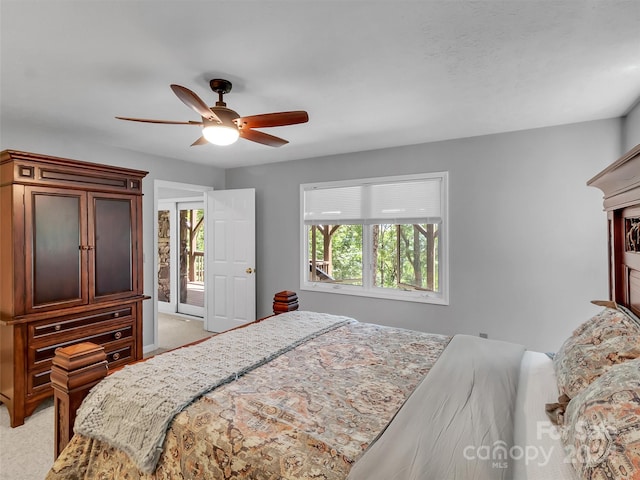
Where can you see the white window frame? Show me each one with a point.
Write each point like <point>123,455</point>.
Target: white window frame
<point>367,289</point>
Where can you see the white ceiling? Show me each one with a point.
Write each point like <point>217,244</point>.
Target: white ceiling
<point>371,74</point>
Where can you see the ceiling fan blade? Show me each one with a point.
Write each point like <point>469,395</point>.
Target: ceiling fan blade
<point>200,141</point>
<point>193,101</point>
<point>272,119</point>
<point>263,138</point>
<point>169,122</point>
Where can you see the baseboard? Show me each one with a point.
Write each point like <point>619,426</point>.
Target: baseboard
<point>184,316</point>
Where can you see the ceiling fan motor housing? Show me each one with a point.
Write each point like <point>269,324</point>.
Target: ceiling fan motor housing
<point>226,115</point>
<point>220,85</point>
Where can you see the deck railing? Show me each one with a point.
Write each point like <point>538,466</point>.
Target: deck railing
<point>199,266</point>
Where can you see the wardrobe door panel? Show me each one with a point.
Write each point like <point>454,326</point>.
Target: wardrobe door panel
<point>112,235</point>
<point>56,248</point>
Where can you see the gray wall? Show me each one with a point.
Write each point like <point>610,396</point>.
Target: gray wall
<point>528,243</point>
<point>527,236</point>
<point>50,143</point>
<point>631,131</point>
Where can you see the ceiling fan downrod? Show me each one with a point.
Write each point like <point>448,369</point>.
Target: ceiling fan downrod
<point>220,86</point>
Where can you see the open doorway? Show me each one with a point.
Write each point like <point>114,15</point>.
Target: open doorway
<point>180,277</point>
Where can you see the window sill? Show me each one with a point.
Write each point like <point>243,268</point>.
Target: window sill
<point>384,294</point>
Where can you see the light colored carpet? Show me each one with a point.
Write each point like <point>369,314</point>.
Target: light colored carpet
<point>175,330</point>
<point>26,452</point>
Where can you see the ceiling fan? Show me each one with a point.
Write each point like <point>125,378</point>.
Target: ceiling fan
<point>221,125</point>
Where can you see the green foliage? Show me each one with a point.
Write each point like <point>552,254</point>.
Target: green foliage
<point>198,215</point>
<point>402,255</point>
<point>386,258</point>
<point>346,248</point>
<point>347,253</point>
<point>200,233</point>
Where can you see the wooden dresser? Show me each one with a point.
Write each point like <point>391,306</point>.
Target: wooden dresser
<point>70,268</point>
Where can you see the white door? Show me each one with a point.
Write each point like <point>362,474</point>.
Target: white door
<point>230,259</point>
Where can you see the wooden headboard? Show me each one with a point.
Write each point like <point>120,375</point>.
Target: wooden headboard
<point>620,183</point>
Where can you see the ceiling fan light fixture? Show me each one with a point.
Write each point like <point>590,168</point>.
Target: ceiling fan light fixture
<point>221,134</point>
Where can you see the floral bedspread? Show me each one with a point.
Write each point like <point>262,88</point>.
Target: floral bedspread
<point>308,414</point>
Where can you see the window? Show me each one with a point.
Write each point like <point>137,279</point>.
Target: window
<point>378,237</point>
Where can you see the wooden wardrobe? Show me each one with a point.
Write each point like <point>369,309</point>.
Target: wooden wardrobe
<point>70,268</point>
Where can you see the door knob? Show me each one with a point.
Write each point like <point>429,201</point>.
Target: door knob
<point>250,270</point>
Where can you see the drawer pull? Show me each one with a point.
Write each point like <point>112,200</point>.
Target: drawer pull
<point>57,328</point>
<point>116,314</point>
<point>117,335</point>
<point>115,356</point>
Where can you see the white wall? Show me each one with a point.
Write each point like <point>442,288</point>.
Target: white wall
<point>527,236</point>
<point>50,143</point>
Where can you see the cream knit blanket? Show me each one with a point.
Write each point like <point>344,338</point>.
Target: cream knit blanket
<point>133,408</point>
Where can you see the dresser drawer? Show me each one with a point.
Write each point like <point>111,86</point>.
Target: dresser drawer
<point>118,353</point>
<point>113,333</point>
<point>53,331</point>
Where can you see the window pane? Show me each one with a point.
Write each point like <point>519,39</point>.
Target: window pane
<point>164,256</point>
<point>407,201</point>
<point>335,254</point>
<point>338,205</point>
<point>406,256</point>
<point>191,257</point>
<point>402,221</point>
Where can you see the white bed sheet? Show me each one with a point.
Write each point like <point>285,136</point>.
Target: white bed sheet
<point>536,440</point>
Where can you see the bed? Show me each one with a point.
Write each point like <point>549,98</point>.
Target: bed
<point>308,395</point>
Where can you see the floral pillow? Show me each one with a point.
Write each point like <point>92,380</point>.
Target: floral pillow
<point>606,324</point>
<point>602,426</point>
<point>609,338</point>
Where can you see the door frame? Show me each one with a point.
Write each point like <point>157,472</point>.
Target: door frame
<point>170,191</point>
